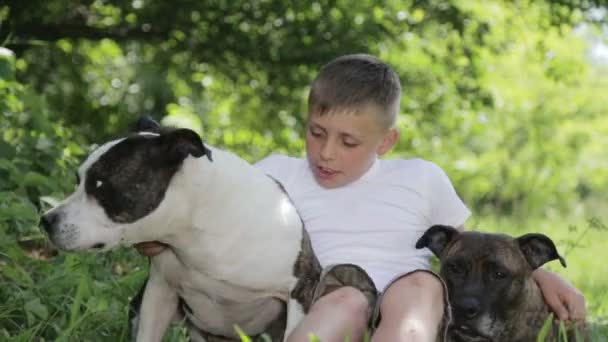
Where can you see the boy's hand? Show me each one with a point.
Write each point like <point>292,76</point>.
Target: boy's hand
<point>565,300</point>
<point>150,248</point>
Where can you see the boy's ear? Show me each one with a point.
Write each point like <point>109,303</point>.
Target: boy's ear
<point>390,139</point>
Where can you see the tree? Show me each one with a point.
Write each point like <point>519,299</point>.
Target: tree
<point>484,82</point>
<point>499,93</point>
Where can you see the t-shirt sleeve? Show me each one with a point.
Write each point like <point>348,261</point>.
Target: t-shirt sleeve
<point>446,207</point>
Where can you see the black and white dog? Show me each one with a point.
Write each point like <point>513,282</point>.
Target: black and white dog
<point>239,254</point>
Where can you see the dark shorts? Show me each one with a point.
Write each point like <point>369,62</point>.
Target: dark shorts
<point>336,276</point>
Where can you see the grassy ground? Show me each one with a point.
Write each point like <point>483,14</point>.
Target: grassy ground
<point>84,297</point>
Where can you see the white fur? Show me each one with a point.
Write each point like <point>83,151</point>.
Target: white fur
<point>486,325</point>
<point>158,308</point>
<point>83,222</point>
<point>234,236</point>
<point>295,313</point>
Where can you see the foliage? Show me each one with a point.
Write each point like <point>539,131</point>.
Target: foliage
<point>503,95</point>
<point>500,94</point>
<point>507,107</point>
<point>37,156</point>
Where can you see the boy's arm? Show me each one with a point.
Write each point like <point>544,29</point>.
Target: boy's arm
<point>565,300</point>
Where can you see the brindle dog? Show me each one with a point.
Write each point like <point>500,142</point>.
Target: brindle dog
<point>488,276</point>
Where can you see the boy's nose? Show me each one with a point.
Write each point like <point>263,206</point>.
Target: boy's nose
<point>327,151</point>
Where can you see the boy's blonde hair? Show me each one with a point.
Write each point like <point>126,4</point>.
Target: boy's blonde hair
<point>354,81</point>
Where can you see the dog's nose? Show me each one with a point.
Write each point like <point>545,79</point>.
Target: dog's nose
<point>47,222</point>
<point>469,307</point>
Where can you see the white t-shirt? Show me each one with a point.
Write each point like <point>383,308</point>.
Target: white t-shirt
<point>375,221</point>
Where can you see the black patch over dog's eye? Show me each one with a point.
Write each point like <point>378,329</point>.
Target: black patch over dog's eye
<point>454,268</point>
<point>94,184</point>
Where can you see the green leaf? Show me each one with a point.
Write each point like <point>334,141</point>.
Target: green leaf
<point>7,64</point>
<point>7,151</point>
<point>51,201</point>
<point>34,179</point>
<point>242,335</point>
<point>37,308</point>
<point>313,338</point>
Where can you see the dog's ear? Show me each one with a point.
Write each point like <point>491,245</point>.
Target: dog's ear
<point>437,238</point>
<point>145,124</point>
<point>181,143</point>
<point>538,249</point>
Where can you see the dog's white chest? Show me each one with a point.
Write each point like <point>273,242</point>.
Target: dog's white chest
<point>216,305</point>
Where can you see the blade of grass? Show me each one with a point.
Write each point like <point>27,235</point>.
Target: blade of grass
<point>544,331</point>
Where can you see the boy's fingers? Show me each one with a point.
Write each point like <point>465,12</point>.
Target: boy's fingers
<point>560,310</point>
<point>562,314</point>
<point>150,248</point>
<point>577,308</point>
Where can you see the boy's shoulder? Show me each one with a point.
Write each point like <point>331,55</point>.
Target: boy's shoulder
<point>278,160</point>
<point>280,167</point>
<point>411,172</point>
<point>413,165</point>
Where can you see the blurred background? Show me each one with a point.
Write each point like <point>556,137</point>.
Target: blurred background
<point>509,97</point>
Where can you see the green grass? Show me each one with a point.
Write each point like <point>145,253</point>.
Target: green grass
<point>84,296</point>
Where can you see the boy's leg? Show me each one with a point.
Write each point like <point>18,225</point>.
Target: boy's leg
<point>335,316</point>
<point>413,308</point>
<point>343,302</point>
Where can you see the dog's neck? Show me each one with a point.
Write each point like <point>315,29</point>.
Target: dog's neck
<point>531,311</point>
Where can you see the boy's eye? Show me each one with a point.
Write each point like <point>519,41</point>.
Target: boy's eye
<point>315,132</point>
<point>350,144</point>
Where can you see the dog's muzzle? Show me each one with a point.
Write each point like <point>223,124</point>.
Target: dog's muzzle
<point>467,307</point>
<point>48,221</point>
<point>466,333</point>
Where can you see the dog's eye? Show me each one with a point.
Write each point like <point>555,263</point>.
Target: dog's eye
<point>454,269</point>
<point>94,183</point>
<point>498,275</point>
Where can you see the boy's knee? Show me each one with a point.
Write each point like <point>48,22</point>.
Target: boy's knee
<point>413,290</point>
<point>345,299</point>
<point>416,331</point>
<point>421,280</point>
<point>412,309</point>
<point>405,329</point>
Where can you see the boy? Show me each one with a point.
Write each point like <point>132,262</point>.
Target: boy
<point>361,210</point>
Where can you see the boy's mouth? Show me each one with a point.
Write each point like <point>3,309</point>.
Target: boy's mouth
<point>324,172</point>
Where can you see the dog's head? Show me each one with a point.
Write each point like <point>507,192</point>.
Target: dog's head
<point>486,275</point>
<point>119,184</point>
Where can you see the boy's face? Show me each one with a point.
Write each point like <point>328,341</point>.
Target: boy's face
<point>342,145</point>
